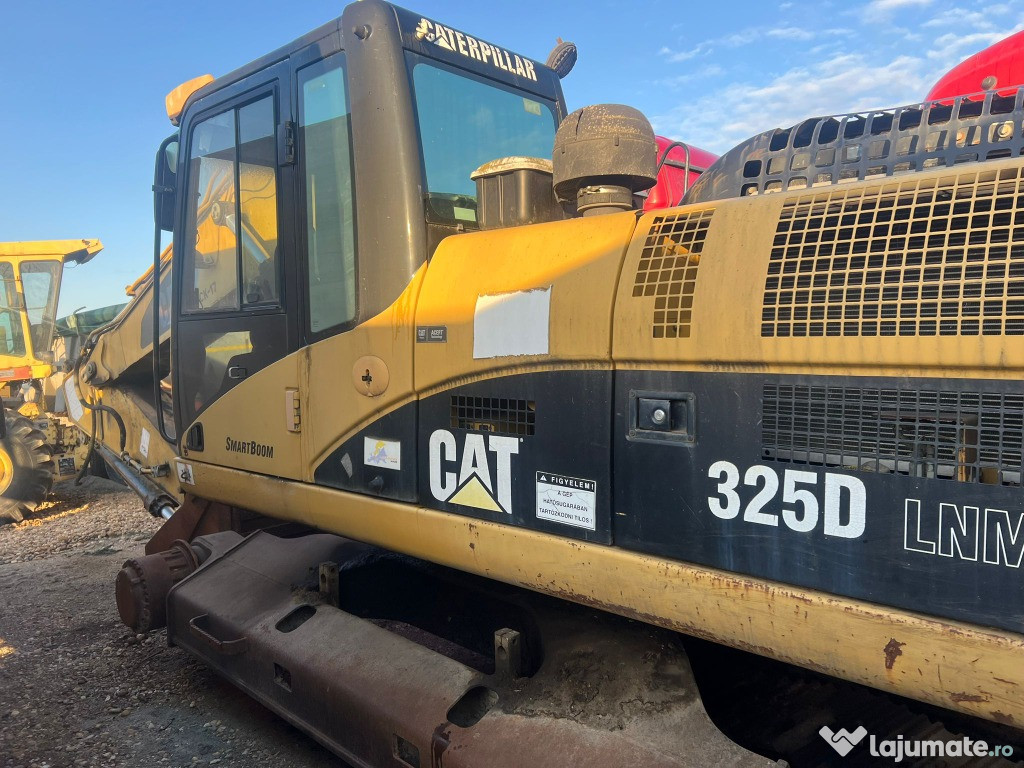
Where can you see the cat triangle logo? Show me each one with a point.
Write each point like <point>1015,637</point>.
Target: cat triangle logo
<point>473,494</point>
<point>475,471</point>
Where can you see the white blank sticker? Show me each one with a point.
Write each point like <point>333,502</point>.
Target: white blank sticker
<point>144,443</point>
<point>512,324</point>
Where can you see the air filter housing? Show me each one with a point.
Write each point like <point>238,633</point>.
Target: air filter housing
<point>603,155</point>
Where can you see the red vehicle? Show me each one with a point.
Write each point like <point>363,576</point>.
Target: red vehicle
<point>1000,67</point>
<point>679,166</point>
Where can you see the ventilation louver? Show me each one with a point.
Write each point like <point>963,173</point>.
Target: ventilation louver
<point>667,271</point>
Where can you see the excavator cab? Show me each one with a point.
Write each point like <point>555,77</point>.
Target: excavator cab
<point>312,185</point>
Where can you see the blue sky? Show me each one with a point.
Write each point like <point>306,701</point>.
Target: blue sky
<point>83,84</point>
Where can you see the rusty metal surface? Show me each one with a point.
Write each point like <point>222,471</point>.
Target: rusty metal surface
<point>142,585</point>
<point>195,517</point>
<point>604,690</point>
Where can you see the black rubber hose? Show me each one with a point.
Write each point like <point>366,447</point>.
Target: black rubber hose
<point>123,433</point>
<point>92,443</point>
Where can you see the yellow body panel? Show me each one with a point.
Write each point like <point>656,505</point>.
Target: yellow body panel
<point>578,261</point>
<point>331,405</point>
<point>49,249</point>
<point>725,325</point>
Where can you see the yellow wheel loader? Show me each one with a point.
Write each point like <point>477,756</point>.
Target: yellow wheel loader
<point>467,460</point>
<point>38,444</point>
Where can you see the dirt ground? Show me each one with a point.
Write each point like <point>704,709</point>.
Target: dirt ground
<point>77,688</point>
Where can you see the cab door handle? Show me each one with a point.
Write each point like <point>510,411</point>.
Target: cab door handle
<point>237,372</point>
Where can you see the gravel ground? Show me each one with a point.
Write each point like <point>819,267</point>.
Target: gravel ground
<point>77,688</point>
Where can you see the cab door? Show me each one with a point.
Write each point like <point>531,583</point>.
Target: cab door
<point>233,294</point>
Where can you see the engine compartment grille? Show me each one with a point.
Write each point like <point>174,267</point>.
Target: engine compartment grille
<point>965,436</point>
<point>934,257</point>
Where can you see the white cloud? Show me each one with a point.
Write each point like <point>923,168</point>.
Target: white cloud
<point>676,56</point>
<point>888,5</point>
<point>961,18</point>
<point>791,33</point>
<point>950,49</point>
<point>877,10</point>
<point>747,36</point>
<point>690,76</point>
<point>845,83</point>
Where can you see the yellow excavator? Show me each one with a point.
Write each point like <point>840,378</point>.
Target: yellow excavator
<point>39,442</point>
<point>466,459</point>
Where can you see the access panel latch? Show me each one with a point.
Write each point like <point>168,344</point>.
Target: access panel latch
<point>662,417</point>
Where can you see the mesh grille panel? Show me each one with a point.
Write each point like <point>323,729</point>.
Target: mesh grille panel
<point>967,436</point>
<point>494,414</point>
<point>939,257</point>
<point>668,271</point>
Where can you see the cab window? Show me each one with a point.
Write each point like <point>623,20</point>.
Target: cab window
<point>232,259</point>
<point>12,340</point>
<point>325,137</point>
<point>39,281</point>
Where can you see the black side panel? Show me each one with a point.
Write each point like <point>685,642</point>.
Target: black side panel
<point>903,492</point>
<point>530,450</point>
<point>380,460</point>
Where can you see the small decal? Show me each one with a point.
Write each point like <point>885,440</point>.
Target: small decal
<point>512,324</point>
<point>569,500</point>
<point>531,106</point>
<point>66,465</point>
<point>432,334</point>
<point>185,474</point>
<point>144,443</point>
<point>480,475</point>
<point>458,42</point>
<point>74,404</point>
<point>346,464</point>
<point>382,453</point>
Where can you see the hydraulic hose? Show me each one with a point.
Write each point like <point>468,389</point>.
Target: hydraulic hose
<point>153,496</point>
<point>123,434</point>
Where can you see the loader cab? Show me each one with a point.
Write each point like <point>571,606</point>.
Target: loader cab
<point>313,183</point>
<point>30,278</point>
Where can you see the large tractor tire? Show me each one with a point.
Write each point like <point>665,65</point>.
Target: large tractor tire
<point>26,469</point>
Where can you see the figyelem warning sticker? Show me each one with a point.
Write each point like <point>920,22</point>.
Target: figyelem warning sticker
<point>568,500</point>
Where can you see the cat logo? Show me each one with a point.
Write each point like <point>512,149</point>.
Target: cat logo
<point>483,476</point>
<point>466,45</point>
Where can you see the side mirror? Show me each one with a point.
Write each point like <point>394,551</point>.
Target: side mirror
<point>165,184</point>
